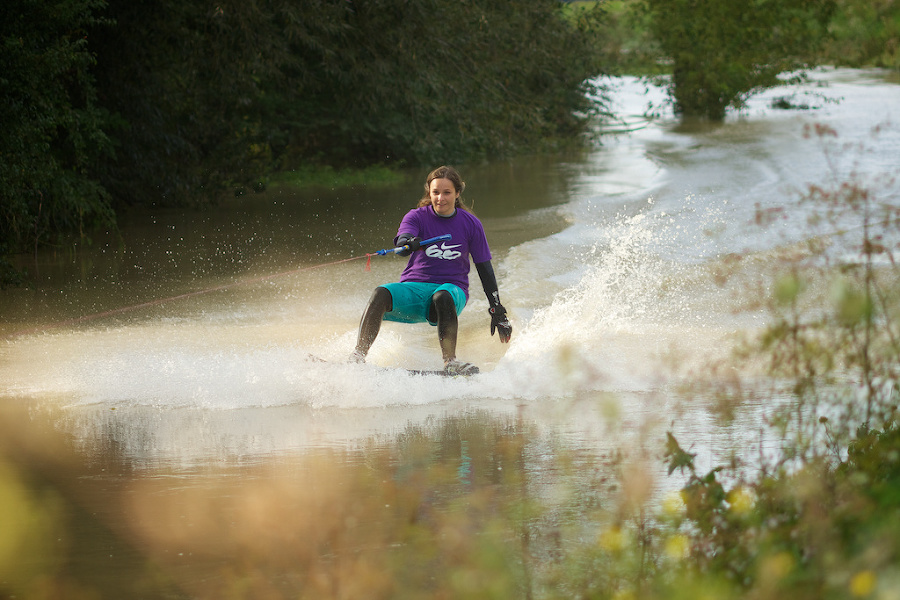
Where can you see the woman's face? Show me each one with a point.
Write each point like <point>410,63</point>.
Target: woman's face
<point>443,196</point>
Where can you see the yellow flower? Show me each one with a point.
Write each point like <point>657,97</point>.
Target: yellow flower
<point>612,540</point>
<point>777,567</point>
<point>863,584</point>
<point>741,500</point>
<point>677,547</point>
<point>673,504</point>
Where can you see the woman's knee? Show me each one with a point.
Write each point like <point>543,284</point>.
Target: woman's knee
<point>381,300</point>
<point>443,305</point>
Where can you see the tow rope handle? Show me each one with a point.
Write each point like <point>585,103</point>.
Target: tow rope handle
<point>440,238</point>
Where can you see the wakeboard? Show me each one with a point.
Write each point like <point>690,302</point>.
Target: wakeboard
<point>441,373</point>
<point>417,372</point>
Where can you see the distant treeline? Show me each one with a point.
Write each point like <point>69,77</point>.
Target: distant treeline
<point>859,33</point>
<point>715,54</point>
<point>113,102</point>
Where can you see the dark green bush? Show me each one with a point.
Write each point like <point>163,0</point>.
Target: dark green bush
<point>54,126</point>
<point>111,103</point>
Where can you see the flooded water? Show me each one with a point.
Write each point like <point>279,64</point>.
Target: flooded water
<point>198,418</point>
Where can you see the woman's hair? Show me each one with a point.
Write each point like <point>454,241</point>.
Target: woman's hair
<point>453,175</point>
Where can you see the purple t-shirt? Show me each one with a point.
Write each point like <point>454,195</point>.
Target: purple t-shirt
<point>444,262</point>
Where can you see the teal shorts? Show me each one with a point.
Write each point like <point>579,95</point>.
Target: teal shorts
<point>412,300</point>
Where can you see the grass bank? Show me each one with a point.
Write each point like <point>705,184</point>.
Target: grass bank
<point>330,177</point>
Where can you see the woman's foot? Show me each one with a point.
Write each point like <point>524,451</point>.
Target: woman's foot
<point>458,367</point>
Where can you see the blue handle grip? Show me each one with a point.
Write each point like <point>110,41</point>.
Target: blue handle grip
<point>440,238</point>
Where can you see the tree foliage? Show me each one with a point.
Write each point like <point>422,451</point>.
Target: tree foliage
<point>277,84</point>
<point>722,51</point>
<point>197,98</point>
<point>865,33</point>
<point>54,128</point>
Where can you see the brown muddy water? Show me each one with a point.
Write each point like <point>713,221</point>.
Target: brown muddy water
<point>179,421</point>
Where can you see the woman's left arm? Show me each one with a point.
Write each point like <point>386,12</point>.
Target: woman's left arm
<point>499,321</point>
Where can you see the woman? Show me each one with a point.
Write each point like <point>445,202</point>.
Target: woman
<point>434,287</point>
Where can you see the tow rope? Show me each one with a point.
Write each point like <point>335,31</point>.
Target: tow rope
<point>368,256</point>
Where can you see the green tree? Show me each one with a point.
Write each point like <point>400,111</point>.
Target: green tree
<point>451,81</point>
<point>53,126</point>
<point>723,51</point>
<point>193,83</point>
<point>108,103</point>
<point>219,95</point>
<point>866,33</point>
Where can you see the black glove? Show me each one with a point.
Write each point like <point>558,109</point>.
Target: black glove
<point>412,244</point>
<point>500,323</point>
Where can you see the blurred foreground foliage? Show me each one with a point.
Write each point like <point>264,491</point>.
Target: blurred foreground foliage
<point>817,515</point>
<point>445,510</point>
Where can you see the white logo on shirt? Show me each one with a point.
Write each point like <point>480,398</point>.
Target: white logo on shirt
<point>445,252</point>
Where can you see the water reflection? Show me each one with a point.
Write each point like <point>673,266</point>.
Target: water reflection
<point>471,504</point>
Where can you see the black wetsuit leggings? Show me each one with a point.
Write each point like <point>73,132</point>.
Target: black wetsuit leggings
<point>442,311</point>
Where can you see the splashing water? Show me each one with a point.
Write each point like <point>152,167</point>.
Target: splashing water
<point>598,304</point>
